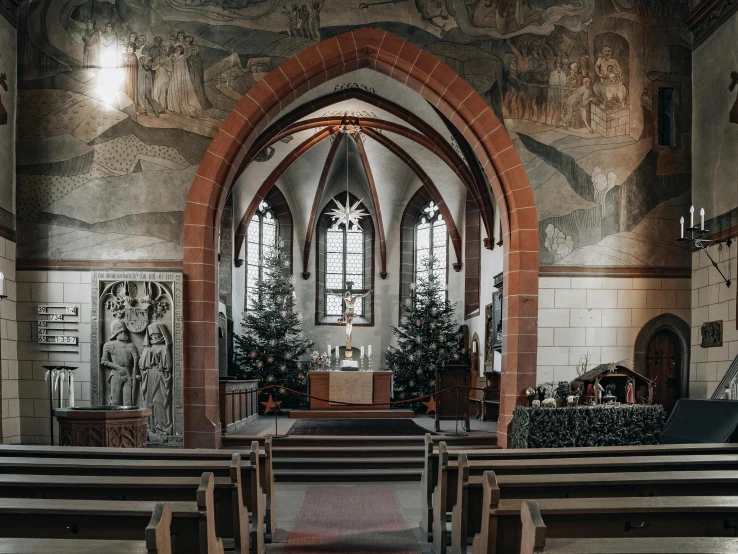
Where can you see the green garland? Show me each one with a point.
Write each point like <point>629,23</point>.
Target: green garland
<point>625,425</point>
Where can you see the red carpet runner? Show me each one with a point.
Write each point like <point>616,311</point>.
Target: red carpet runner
<point>351,520</point>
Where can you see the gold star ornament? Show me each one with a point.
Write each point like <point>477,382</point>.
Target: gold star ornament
<point>348,215</point>
<point>270,404</point>
<point>431,404</point>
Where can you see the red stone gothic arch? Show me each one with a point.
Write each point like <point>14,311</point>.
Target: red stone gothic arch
<point>229,152</point>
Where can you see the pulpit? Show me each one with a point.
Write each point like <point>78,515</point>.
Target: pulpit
<point>453,404</point>
<point>331,390</point>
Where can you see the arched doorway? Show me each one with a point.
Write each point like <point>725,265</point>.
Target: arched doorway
<point>663,359</point>
<point>662,352</point>
<point>231,151</point>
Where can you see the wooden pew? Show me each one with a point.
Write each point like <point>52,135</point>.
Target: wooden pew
<point>686,516</point>
<point>192,523</point>
<point>467,513</point>
<point>266,471</point>
<point>251,488</point>
<point>157,540</point>
<point>534,541</point>
<point>231,515</point>
<point>431,452</point>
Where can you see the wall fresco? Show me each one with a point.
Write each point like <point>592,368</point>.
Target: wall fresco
<point>7,121</point>
<point>119,99</point>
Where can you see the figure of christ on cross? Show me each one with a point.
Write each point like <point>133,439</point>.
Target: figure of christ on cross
<point>349,298</point>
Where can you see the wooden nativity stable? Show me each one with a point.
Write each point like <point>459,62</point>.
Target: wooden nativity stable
<point>614,378</point>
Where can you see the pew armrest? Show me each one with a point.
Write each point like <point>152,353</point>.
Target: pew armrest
<point>206,504</point>
<point>533,539</point>
<point>158,531</point>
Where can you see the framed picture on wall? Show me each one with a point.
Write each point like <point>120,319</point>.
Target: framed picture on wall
<point>489,327</point>
<point>497,320</point>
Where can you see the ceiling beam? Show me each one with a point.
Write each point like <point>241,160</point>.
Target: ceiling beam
<point>453,231</point>
<point>316,205</point>
<point>269,182</point>
<point>377,208</point>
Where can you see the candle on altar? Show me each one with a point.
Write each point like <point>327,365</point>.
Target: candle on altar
<point>370,351</point>
<point>329,350</point>
<point>361,350</point>
<point>474,347</point>
<point>681,222</point>
<point>338,352</point>
<point>691,217</point>
<point>702,219</point>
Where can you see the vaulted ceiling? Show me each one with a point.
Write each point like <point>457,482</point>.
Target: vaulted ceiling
<point>369,135</point>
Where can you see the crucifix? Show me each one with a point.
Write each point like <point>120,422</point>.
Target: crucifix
<point>349,298</point>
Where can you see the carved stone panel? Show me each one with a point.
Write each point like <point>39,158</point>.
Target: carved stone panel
<point>712,334</point>
<point>136,347</point>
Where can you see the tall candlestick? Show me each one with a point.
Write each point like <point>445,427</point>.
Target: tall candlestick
<point>329,350</point>
<point>370,351</point>
<point>338,353</point>
<point>681,223</point>
<point>2,283</point>
<point>702,219</point>
<point>474,347</point>
<point>691,217</point>
<point>361,352</point>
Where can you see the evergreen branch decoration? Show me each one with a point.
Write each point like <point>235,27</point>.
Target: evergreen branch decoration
<point>626,425</point>
<point>427,336</point>
<point>272,342</point>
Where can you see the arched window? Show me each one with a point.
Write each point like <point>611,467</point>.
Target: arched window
<point>431,239</point>
<point>261,238</point>
<point>345,258</point>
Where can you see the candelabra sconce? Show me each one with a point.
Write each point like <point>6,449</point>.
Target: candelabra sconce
<point>695,235</point>
<point>328,362</point>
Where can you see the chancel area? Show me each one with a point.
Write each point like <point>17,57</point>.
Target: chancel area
<point>363,276</point>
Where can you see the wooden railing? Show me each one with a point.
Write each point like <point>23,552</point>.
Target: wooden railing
<point>238,402</point>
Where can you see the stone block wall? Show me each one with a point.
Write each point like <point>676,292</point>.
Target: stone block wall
<point>711,301</point>
<point>11,413</point>
<point>71,288</point>
<point>600,316</point>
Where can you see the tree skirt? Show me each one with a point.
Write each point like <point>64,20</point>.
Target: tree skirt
<point>359,520</point>
<point>356,427</point>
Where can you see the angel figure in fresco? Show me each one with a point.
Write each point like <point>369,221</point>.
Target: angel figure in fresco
<point>156,378</point>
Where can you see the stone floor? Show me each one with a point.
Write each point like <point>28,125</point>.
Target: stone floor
<point>289,497</point>
<point>264,425</point>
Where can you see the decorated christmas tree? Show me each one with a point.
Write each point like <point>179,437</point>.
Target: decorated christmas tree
<point>272,342</point>
<point>427,336</point>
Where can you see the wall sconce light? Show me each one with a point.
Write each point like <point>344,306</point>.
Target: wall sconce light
<point>695,234</point>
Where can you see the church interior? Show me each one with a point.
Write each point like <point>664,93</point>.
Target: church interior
<point>368,276</point>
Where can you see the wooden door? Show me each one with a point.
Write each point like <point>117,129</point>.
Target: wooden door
<point>664,360</point>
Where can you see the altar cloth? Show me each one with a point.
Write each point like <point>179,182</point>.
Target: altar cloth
<point>356,387</point>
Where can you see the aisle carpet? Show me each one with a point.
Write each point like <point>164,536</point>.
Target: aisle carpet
<point>355,520</point>
<point>356,427</point>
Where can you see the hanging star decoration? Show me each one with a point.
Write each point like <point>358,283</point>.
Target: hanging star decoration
<point>270,404</point>
<point>347,214</point>
<point>431,404</point>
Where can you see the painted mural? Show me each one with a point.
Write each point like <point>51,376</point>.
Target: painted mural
<point>119,99</point>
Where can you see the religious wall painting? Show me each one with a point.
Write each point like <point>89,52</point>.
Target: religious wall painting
<point>136,352</point>
<point>570,81</point>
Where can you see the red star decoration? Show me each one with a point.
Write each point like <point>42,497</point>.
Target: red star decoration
<point>270,405</point>
<point>431,404</point>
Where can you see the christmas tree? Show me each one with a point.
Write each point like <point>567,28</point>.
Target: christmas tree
<point>272,342</point>
<point>426,337</point>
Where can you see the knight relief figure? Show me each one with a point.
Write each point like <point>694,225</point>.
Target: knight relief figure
<point>156,384</point>
<point>121,357</point>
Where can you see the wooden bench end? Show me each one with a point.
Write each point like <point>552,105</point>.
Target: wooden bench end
<point>533,538</point>
<point>158,531</point>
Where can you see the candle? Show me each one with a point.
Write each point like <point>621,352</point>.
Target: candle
<point>370,351</point>
<point>681,222</point>
<point>329,350</point>
<point>702,219</point>
<point>474,347</point>
<point>338,352</point>
<point>361,352</point>
<point>691,217</point>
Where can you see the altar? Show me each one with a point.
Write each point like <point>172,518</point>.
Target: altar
<point>355,387</point>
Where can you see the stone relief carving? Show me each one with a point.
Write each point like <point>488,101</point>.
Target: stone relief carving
<point>712,334</point>
<point>138,316</point>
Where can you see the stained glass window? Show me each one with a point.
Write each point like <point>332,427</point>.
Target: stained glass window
<point>261,239</point>
<point>344,263</point>
<point>431,239</point>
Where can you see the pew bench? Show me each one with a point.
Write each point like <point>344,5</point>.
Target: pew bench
<point>157,540</point>
<point>535,541</point>
<point>619,517</point>
<point>467,513</point>
<point>252,496</point>
<point>266,470</point>
<point>192,523</point>
<point>432,451</point>
<point>231,515</point>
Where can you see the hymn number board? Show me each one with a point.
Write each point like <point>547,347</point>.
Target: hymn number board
<point>52,330</point>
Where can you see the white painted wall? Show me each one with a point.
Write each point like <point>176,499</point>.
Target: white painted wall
<point>711,301</point>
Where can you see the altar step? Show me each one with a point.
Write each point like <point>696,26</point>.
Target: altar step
<point>351,414</point>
